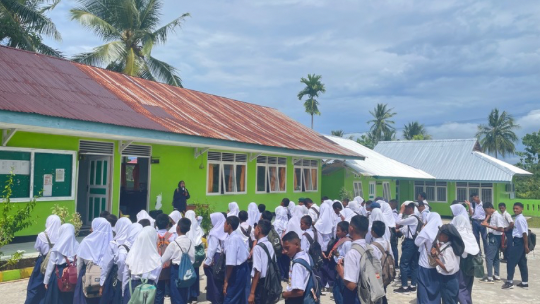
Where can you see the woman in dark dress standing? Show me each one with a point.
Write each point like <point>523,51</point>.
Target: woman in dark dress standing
<point>181,195</point>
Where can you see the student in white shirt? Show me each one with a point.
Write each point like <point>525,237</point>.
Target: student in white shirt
<point>381,247</point>
<point>349,268</point>
<point>394,238</point>
<point>337,253</point>
<point>409,251</point>
<point>195,234</point>
<point>111,274</point>
<point>424,211</point>
<point>216,239</point>
<point>447,251</point>
<point>236,284</point>
<point>509,225</point>
<point>476,211</point>
<point>35,292</point>
<point>165,238</point>
<point>308,237</point>
<point>143,262</point>
<point>246,230</point>
<point>261,261</point>
<point>494,225</point>
<point>298,275</point>
<point>173,254</point>
<point>428,278</point>
<point>517,254</point>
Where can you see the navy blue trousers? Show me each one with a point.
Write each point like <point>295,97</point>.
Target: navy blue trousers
<point>195,289</point>
<point>480,231</point>
<point>237,284</point>
<point>409,262</point>
<point>465,288</point>
<point>350,296</point>
<point>517,256</point>
<point>35,292</point>
<point>178,295</point>
<point>214,288</point>
<point>337,290</point>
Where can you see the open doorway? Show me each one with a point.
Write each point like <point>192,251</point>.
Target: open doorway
<point>94,181</point>
<point>134,185</point>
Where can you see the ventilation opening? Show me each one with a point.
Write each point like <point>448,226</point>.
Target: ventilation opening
<point>137,150</point>
<point>96,147</point>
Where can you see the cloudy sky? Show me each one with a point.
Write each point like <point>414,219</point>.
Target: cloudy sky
<point>443,63</point>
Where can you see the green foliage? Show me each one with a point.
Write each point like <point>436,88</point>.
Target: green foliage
<point>204,210</point>
<point>529,186</point>
<point>382,128</point>
<point>498,135</point>
<point>66,217</point>
<point>344,194</point>
<point>338,133</point>
<point>15,217</point>
<point>415,131</point>
<point>313,88</point>
<point>130,30</point>
<point>24,24</point>
<point>366,140</point>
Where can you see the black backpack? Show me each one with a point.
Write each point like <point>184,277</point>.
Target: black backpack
<point>272,288</point>
<point>247,233</point>
<point>275,240</point>
<point>315,252</point>
<point>419,225</point>
<point>531,240</point>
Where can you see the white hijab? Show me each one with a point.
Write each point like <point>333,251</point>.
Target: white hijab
<point>325,222</point>
<point>290,208</point>
<point>458,209</point>
<point>52,228</point>
<point>294,222</point>
<point>122,230</point>
<point>348,214</point>
<point>377,215</point>
<point>354,206</point>
<point>463,226</point>
<point>143,256</point>
<point>430,231</point>
<point>94,246</point>
<point>218,223</point>
<point>359,200</point>
<point>195,233</point>
<point>253,214</point>
<point>144,215</point>
<point>233,209</point>
<point>175,216</point>
<point>66,244</point>
<point>281,220</point>
<point>134,230</point>
<point>388,215</point>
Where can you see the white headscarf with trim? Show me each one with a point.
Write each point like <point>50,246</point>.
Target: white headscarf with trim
<point>253,214</point>
<point>52,228</point>
<point>430,230</point>
<point>143,256</point>
<point>94,246</point>
<point>195,233</point>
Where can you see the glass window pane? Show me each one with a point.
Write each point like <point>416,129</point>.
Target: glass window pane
<point>240,178</point>
<point>314,181</point>
<point>228,177</point>
<point>297,179</point>
<point>418,190</point>
<point>487,196</point>
<point>430,193</point>
<point>213,178</point>
<point>261,178</point>
<point>462,194</point>
<point>441,194</point>
<point>282,178</point>
<point>272,178</point>
<point>307,179</point>
<point>474,191</point>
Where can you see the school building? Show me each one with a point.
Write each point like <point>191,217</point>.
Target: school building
<point>460,169</point>
<point>375,176</point>
<point>92,140</point>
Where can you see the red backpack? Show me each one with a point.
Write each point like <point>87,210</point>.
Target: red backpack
<point>163,242</point>
<point>68,280</point>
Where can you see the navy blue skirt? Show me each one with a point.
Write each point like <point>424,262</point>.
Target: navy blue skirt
<point>214,289</point>
<point>449,288</point>
<point>112,288</point>
<point>428,286</point>
<point>79,297</point>
<point>237,285</point>
<point>350,296</point>
<point>53,295</point>
<point>178,295</point>
<point>35,292</point>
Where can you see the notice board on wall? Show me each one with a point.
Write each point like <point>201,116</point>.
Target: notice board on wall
<point>53,173</point>
<point>18,163</point>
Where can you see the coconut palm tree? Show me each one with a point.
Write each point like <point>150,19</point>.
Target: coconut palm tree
<point>498,135</point>
<point>23,24</point>
<point>313,88</point>
<point>338,133</point>
<point>130,31</point>
<point>381,126</point>
<point>415,131</point>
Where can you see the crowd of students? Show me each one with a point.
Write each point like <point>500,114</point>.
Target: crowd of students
<point>349,247</point>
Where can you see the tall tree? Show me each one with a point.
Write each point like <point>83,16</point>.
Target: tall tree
<point>529,186</point>
<point>313,88</point>
<point>130,30</point>
<point>366,140</point>
<point>338,133</point>
<point>381,126</point>
<point>23,24</point>
<point>415,131</point>
<point>498,135</point>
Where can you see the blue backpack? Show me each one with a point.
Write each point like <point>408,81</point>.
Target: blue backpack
<point>312,294</point>
<point>186,272</point>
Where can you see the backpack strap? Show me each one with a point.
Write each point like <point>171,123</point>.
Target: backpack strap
<point>48,240</point>
<point>314,233</point>
<point>247,233</point>
<point>305,264</point>
<point>316,211</point>
<point>380,247</point>
<point>180,247</point>
<point>125,247</point>
<point>309,238</point>
<point>167,235</point>
<point>263,246</point>
<point>417,226</point>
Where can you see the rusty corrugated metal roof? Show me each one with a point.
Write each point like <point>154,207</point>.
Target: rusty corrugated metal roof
<point>34,83</point>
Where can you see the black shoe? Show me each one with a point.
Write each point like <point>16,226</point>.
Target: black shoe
<point>412,288</point>
<point>524,286</point>
<point>508,286</point>
<point>402,290</point>
<point>486,280</point>
<point>503,261</point>
<point>496,279</point>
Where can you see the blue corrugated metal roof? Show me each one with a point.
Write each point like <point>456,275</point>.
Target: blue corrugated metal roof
<point>450,159</point>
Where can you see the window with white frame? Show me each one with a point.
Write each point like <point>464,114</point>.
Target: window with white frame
<point>271,174</point>
<point>387,194</point>
<point>435,191</point>
<point>358,191</point>
<point>306,174</point>
<point>226,173</point>
<point>372,187</point>
<point>484,190</point>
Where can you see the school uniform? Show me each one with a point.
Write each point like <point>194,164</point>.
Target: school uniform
<point>424,215</point>
<point>162,284</point>
<point>247,234</point>
<point>507,220</point>
<point>409,251</point>
<point>394,240</point>
<point>338,287</point>
<point>304,242</point>
<point>298,278</point>
<point>516,254</point>
<point>428,291</point>
<point>214,288</point>
<point>111,276</point>
<point>352,272</point>
<point>260,264</point>
<point>479,231</point>
<point>379,255</point>
<point>174,252</point>
<point>313,212</point>
<point>493,245</point>
<point>449,284</point>
<point>236,255</point>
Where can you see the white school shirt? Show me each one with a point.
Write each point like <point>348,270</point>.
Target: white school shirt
<point>449,259</point>
<point>260,258</point>
<point>520,227</point>
<point>298,274</point>
<point>174,253</point>
<point>396,214</point>
<point>304,242</point>
<point>352,262</point>
<point>385,245</point>
<point>214,246</point>
<point>425,214</point>
<point>496,220</point>
<point>152,275</point>
<point>42,247</point>
<point>342,250</point>
<point>425,249</point>
<point>117,256</point>
<point>323,239</point>
<point>408,224</point>
<point>478,212</point>
<point>507,219</point>
<point>54,259</point>
<point>236,252</point>
<point>246,239</point>
<point>162,232</point>
<point>312,213</point>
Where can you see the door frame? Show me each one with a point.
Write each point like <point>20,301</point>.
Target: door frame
<point>108,187</point>
<point>148,184</point>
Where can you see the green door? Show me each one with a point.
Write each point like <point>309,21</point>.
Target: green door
<point>98,186</point>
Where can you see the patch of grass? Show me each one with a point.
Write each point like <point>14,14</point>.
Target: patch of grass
<point>534,222</point>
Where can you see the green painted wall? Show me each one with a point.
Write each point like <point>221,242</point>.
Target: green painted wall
<point>332,184</point>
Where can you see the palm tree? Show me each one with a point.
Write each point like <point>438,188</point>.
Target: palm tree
<point>23,24</point>
<point>498,135</point>
<point>381,126</point>
<point>416,130</point>
<point>338,133</point>
<point>366,140</point>
<point>130,30</point>
<point>313,88</point>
